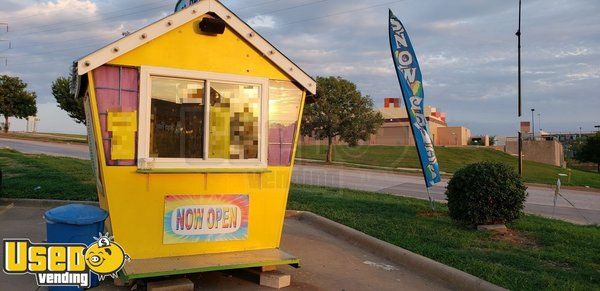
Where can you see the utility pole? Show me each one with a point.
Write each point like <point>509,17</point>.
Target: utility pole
<point>5,40</point>
<point>519,93</point>
<point>532,123</point>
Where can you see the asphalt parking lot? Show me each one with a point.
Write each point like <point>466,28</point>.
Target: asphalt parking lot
<point>328,263</point>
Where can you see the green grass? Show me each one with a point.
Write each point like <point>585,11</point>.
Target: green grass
<point>450,160</point>
<point>556,255</point>
<point>41,176</point>
<point>49,137</point>
<point>553,255</point>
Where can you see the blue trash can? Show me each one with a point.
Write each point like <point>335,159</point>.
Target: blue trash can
<point>75,223</point>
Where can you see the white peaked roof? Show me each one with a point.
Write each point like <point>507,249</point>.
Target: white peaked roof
<point>154,30</point>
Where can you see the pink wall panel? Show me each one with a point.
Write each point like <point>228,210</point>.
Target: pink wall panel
<point>281,139</point>
<point>129,79</point>
<point>106,77</point>
<point>117,88</point>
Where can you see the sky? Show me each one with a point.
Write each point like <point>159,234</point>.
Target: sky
<point>466,48</point>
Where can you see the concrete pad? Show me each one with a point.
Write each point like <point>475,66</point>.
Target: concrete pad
<point>328,263</point>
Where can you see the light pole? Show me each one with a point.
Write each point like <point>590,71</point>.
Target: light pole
<point>520,141</point>
<point>532,123</point>
<point>540,121</point>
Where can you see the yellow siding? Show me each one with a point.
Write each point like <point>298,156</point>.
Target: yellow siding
<point>136,201</point>
<point>185,48</point>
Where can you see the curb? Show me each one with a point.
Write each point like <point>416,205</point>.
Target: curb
<point>42,202</point>
<point>455,278</point>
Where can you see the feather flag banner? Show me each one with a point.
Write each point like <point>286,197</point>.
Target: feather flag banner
<point>411,83</point>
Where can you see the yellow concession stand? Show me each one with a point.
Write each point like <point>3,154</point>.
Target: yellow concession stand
<point>193,123</point>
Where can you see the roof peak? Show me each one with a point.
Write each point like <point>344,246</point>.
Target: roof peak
<point>171,22</point>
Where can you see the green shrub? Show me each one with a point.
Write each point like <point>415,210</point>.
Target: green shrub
<point>486,193</point>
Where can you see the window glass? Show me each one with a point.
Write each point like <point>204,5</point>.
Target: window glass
<point>234,121</point>
<point>284,108</point>
<point>177,118</point>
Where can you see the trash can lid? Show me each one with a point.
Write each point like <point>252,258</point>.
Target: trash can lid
<point>77,214</point>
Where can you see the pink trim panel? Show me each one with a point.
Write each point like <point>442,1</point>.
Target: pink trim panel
<point>117,89</point>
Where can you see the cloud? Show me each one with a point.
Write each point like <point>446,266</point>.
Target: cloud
<point>466,48</point>
<point>262,21</point>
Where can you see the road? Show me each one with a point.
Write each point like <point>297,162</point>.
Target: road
<point>540,200</point>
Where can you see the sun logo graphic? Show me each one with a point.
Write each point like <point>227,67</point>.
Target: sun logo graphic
<point>64,264</point>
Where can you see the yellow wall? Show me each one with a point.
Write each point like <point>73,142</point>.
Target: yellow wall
<point>185,48</point>
<point>136,201</point>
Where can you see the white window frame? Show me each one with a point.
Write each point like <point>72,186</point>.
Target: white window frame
<point>145,162</point>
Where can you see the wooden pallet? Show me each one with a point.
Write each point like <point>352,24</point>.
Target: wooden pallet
<point>158,267</point>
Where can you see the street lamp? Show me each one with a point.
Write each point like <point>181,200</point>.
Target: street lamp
<point>532,123</point>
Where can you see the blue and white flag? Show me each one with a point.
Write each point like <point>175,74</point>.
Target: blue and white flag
<point>183,4</point>
<point>411,83</point>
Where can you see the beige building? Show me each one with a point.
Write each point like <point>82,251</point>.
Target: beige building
<point>541,151</point>
<point>453,136</point>
<point>396,129</point>
<point>547,150</point>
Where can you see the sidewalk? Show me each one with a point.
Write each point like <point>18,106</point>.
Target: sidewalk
<point>328,262</point>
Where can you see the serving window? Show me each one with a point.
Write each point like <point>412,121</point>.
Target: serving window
<point>191,119</point>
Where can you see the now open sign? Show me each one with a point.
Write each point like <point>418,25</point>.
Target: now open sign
<point>196,218</point>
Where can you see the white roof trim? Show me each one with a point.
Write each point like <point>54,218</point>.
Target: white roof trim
<point>156,29</point>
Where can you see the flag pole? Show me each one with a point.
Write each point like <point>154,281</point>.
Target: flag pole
<point>430,200</point>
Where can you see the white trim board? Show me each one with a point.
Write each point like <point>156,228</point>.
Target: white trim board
<point>146,162</point>
<point>156,29</point>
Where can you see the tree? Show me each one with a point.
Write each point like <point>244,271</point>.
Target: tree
<point>15,100</point>
<point>589,150</point>
<point>340,111</point>
<point>61,89</point>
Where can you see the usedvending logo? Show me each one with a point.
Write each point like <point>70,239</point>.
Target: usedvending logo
<point>64,264</point>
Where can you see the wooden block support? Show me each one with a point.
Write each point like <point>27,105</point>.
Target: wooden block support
<point>118,282</point>
<point>181,284</point>
<point>275,279</point>
<point>268,268</point>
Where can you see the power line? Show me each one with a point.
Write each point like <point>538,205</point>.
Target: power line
<point>111,14</point>
<point>113,11</point>
<point>282,25</point>
<point>44,44</point>
<point>293,7</point>
<point>342,12</point>
<point>93,21</point>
